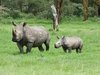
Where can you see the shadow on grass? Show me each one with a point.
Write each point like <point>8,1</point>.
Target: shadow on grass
<point>18,53</point>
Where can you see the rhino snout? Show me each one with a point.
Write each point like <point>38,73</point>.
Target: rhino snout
<point>55,46</point>
<point>15,40</point>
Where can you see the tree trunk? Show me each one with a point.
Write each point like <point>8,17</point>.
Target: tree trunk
<point>0,2</point>
<point>58,4</point>
<point>55,17</point>
<point>85,9</point>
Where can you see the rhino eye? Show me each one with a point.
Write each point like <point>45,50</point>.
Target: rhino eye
<point>59,43</point>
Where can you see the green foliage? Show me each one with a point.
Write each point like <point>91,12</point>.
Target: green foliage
<point>14,14</point>
<point>4,12</point>
<point>41,8</point>
<point>92,11</point>
<point>71,8</point>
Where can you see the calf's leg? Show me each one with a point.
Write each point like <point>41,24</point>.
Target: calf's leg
<point>69,50</point>
<point>65,49</point>
<point>40,48</point>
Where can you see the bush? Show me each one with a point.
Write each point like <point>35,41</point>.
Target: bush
<point>77,9</point>
<point>71,9</point>
<point>4,12</point>
<point>14,14</point>
<point>92,11</point>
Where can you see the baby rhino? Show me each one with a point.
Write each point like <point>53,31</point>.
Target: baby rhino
<point>70,43</point>
<point>25,35</point>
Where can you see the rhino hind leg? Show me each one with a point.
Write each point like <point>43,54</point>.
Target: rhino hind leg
<point>41,48</point>
<point>47,44</point>
<point>80,50</point>
<point>47,47</point>
<point>69,50</point>
<point>77,50</point>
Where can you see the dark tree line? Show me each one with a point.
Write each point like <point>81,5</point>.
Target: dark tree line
<point>64,8</point>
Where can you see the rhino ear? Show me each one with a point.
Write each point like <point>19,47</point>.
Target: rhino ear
<point>24,24</point>
<point>63,39</point>
<point>13,24</point>
<point>58,37</point>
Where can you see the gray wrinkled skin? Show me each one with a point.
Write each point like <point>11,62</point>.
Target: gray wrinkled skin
<point>70,43</point>
<point>35,36</point>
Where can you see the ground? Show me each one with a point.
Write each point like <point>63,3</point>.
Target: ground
<point>55,61</point>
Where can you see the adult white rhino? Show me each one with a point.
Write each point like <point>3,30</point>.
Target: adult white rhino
<point>35,36</point>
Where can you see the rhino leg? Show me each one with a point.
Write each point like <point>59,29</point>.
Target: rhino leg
<point>40,48</point>
<point>47,44</point>
<point>47,47</point>
<point>80,50</point>
<point>20,47</point>
<point>69,50</point>
<point>76,50</point>
<point>29,47</point>
<point>65,50</point>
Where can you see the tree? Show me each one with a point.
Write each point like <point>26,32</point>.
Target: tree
<point>58,4</point>
<point>0,2</point>
<point>97,7</point>
<point>85,9</point>
<point>55,17</point>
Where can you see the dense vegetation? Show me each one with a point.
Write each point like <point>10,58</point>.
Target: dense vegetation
<point>41,8</point>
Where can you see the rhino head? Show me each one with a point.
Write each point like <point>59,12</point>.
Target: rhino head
<point>17,32</point>
<point>60,42</point>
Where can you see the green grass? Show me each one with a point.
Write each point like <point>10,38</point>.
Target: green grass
<point>55,61</point>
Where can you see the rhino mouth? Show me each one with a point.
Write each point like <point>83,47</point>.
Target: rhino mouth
<point>14,40</point>
<point>55,46</point>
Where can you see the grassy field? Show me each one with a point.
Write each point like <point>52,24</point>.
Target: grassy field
<point>55,61</point>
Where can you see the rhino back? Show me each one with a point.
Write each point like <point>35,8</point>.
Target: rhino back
<point>73,41</point>
<point>36,34</point>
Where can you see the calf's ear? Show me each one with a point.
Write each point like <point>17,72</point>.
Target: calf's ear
<point>24,24</point>
<point>63,39</point>
<point>13,24</point>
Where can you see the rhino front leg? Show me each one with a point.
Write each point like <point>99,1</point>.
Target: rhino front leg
<point>40,48</point>
<point>65,49</point>
<point>20,47</point>
<point>69,50</point>
<point>29,47</point>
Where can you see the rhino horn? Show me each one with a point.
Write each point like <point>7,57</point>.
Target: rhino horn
<point>24,24</point>
<point>13,24</point>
